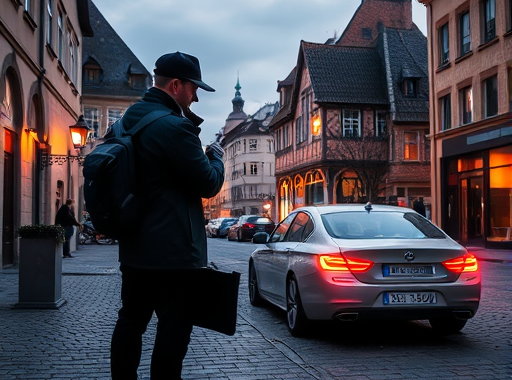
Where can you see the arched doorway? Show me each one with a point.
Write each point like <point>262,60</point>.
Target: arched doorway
<point>11,120</point>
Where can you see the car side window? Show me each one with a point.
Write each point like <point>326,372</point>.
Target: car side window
<point>280,232</point>
<point>301,228</point>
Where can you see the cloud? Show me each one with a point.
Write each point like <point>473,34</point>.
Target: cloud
<point>255,40</point>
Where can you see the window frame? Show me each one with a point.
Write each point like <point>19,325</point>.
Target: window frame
<point>410,143</point>
<point>446,112</point>
<point>490,101</point>
<point>464,19</point>
<point>380,123</point>
<point>466,116</point>
<point>253,145</point>
<point>489,20</point>
<point>49,23</point>
<point>444,44</point>
<point>349,123</point>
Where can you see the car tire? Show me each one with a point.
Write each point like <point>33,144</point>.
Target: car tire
<point>447,326</point>
<point>254,293</point>
<point>295,316</point>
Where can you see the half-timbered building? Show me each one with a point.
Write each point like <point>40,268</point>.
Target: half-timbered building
<point>354,116</point>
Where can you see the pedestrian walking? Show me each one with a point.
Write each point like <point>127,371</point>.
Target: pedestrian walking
<point>174,173</point>
<point>66,218</point>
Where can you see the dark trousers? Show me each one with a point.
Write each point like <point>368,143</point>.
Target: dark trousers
<point>68,233</point>
<point>142,293</point>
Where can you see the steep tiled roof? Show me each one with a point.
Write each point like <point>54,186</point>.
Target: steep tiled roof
<point>406,55</point>
<point>345,74</point>
<point>116,60</point>
<point>257,124</point>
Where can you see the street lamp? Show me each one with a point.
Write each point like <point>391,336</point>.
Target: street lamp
<point>79,132</point>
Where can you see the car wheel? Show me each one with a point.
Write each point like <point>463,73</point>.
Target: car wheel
<point>447,326</point>
<point>254,293</point>
<point>295,315</point>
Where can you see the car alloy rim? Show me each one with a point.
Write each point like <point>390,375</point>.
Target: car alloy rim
<point>292,303</point>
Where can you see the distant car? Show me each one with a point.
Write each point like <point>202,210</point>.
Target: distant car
<point>209,227</point>
<point>233,231</point>
<point>220,229</point>
<point>356,262</point>
<point>248,225</point>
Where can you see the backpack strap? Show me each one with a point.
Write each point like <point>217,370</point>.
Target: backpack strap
<point>145,121</point>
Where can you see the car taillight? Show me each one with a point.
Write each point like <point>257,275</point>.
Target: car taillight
<point>344,264</point>
<point>248,225</point>
<point>466,263</point>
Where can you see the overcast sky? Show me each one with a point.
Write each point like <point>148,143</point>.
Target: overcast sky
<point>256,40</point>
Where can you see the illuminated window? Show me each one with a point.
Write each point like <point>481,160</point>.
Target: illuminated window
<point>411,146</point>
<point>466,105</point>
<point>314,188</point>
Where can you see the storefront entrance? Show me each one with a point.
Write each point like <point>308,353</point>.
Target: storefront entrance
<point>472,210</point>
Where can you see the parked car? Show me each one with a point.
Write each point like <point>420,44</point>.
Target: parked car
<point>356,262</point>
<point>248,225</point>
<point>220,229</point>
<point>233,231</point>
<point>209,227</point>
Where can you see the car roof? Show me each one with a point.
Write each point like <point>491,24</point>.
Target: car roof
<point>353,207</point>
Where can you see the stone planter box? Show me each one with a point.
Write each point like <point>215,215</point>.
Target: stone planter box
<point>40,274</point>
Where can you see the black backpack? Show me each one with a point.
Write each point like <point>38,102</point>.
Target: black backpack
<point>110,183</point>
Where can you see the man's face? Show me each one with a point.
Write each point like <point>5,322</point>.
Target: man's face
<point>186,93</point>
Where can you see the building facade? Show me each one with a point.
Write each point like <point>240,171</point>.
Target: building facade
<point>113,77</point>
<point>249,160</point>
<point>40,98</point>
<point>470,65</point>
<point>354,114</point>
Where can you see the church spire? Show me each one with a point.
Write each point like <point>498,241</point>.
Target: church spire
<point>238,102</point>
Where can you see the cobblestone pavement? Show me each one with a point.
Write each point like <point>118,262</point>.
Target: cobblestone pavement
<point>73,342</point>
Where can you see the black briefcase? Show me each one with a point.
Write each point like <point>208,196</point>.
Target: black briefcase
<point>214,299</point>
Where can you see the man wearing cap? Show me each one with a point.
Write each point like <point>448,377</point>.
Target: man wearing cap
<point>174,174</point>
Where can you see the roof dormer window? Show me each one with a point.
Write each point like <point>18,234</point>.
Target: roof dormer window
<point>409,87</point>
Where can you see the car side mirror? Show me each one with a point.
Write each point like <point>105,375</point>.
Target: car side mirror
<point>260,238</point>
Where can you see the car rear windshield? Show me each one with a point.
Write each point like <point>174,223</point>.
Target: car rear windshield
<point>258,220</point>
<point>380,225</point>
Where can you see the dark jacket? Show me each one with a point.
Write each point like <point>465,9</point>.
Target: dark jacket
<point>173,174</point>
<point>65,217</point>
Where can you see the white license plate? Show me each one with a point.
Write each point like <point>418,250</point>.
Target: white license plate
<point>407,270</point>
<point>395,298</point>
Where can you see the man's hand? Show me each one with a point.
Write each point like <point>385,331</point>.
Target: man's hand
<point>214,150</point>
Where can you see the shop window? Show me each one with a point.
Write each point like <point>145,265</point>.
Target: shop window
<point>500,191</point>
<point>314,188</point>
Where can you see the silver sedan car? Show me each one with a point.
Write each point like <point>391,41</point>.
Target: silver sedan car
<point>356,262</point>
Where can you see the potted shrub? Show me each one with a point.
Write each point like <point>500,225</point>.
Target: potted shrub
<point>40,267</point>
